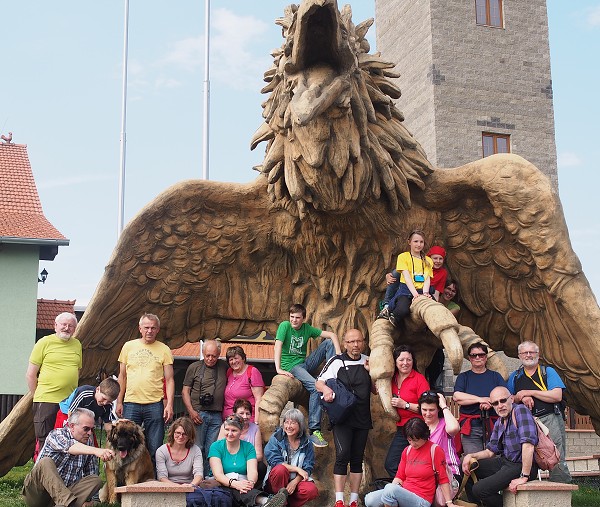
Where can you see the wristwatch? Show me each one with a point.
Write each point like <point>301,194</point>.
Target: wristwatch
<point>524,475</point>
<point>407,406</point>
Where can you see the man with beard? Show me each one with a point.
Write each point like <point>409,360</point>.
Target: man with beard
<point>66,473</point>
<point>508,459</point>
<point>203,395</point>
<point>53,374</point>
<point>540,389</point>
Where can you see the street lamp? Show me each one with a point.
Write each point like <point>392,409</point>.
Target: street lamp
<point>43,276</point>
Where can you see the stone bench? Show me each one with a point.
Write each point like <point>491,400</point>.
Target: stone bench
<point>149,493</point>
<point>540,493</point>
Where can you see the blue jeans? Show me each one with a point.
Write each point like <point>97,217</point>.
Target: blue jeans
<point>206,433</point>
<point>149,415</point>
<point>302,372</point>
<point>398,444</point>
<point>396,496</point>
<point>391,289</point>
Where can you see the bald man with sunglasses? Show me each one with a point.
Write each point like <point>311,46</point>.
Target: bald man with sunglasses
<point>508,459</point>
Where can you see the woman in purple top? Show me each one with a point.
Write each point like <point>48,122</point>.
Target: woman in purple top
<point>244,381</point>
<point>442,429</point>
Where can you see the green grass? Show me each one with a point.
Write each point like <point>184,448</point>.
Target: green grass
<point>586,496</point>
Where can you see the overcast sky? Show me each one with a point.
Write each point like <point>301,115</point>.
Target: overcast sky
<point>61,95</point>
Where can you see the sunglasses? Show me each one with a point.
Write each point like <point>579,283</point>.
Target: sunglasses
<point>479,355</point>
<point>428,393</point>
<point>497,402</point>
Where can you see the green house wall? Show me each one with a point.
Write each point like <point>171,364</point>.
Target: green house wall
<point>18,309</point>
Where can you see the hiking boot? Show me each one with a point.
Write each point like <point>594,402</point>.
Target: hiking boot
<point>384,314</point>
<point>317,439</point>
<point>279,499</point>
<point>340,503</point>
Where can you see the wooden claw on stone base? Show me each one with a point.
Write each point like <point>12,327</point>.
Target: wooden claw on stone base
<point>283,389</point>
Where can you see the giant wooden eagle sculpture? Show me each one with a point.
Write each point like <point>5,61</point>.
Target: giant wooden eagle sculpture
<point>341,184</point>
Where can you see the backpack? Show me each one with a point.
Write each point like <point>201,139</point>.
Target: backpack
<point>438,499</point>
<point>546,454</point>
<point>248,372</point>
<point>209,497</point>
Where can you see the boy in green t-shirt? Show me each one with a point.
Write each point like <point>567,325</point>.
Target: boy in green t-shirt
<point>291,343</point>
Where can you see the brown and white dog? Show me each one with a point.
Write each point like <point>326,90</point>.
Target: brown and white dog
<point>131,464</point>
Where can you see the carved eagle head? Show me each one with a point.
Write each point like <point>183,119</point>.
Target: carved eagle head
<point>335,138</point>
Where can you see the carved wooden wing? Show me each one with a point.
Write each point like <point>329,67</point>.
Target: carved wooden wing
<point>509,249</point>
<point>199,256</point>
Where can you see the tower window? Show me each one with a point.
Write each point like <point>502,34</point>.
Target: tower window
<point>495,143</point>
<point>489,12</point>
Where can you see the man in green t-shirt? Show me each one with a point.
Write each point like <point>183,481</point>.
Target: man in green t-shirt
<point>291,343</point>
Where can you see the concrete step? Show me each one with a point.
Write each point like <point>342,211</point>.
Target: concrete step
<point>582,466</point>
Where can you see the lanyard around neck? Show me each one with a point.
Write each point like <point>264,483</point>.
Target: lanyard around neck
<point>542,387</point>
<point>412,258</point>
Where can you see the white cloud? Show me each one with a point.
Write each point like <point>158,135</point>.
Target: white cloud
<point>593,16</point>
<point>187,54</point>
<point>569,159</point>
<point>167,82</point>
<point>231,60</point>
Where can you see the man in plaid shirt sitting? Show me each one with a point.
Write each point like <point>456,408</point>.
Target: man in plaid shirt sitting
<point>508,459</point>
<point>66,471</point>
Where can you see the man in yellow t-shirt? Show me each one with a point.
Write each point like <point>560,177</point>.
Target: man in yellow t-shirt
<point>53,373</point>
<point>145,366</point>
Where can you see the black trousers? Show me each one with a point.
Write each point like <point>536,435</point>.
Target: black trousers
<point>494,476</point>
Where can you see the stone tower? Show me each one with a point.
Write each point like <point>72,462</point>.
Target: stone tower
<point>475,77</point>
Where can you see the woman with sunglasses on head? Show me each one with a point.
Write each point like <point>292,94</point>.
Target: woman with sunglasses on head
<point>472,392</point>
<point>414,484</point>
<point>291,459</point>
<point>179,461</point>
<point>407,385</point>
<point>244,381</point>
<point>233,464</point>
<point>442,428</point>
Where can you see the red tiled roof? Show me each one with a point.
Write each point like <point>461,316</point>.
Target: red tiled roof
<point>48,309</point>
<point>254,351</point>
<point>21,214</point>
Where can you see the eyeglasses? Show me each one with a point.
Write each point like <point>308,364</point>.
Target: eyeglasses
<point>179,433</point>
<point>497,402</point>
<point>478,355</point>
<point>528,353</point>
<point>87,429</point>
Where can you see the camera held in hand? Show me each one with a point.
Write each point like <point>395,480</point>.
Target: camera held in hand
<point>206,399</point>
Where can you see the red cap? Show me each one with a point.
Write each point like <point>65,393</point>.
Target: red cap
<point>437,250</point>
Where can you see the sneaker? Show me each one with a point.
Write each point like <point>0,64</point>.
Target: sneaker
<point>279,499</point>
<point>384,314</point>
<point>353,504</point>
<point>340,503</point>
<point>317,439</point>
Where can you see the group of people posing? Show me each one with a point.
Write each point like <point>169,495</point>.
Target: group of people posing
<point>220,437</point>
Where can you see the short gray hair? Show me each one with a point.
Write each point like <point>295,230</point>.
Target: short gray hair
<point>216,343</point>
<point>293,414</point>
<point>150,316</point>
<point>528,343</point>
<point>76,413</point>
<point>65,315</point>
